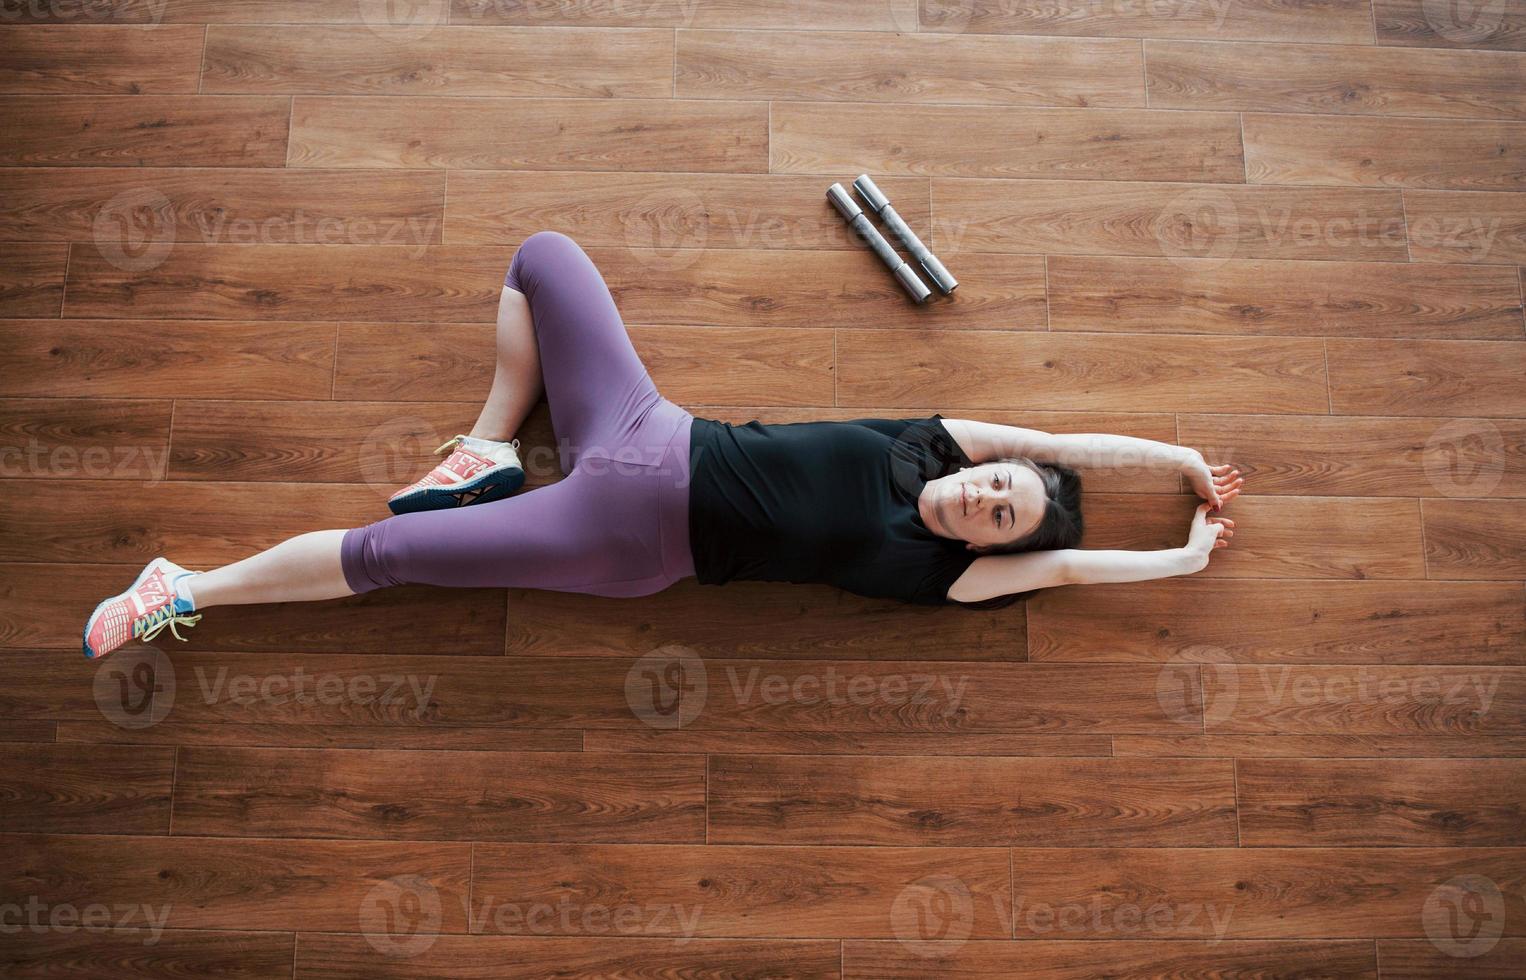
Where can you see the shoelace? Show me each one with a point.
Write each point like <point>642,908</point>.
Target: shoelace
<point>455,441</point>
<point>159,619</point>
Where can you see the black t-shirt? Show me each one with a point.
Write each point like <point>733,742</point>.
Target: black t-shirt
<point>832,502</point>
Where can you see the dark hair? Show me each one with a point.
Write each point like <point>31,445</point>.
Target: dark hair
<point>1059,527</point>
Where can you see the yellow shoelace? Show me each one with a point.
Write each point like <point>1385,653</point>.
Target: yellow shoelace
<point>159,620</point>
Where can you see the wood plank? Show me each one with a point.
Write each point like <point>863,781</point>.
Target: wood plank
<point>72,789</point>
<point>295,282</point>
<point>1184,222</point>
<point>1475,539</point>
<point>144,131</point>
<point>1282,299</point>
<point>44,687</point>
<point>935,696</point>
<point>818,15</point>
<point>47,604</point>
<point>529,958</point>
<point>762,365</point>
<point>1470,155</point>
<point>1079,144</point>
<point>1313,746</point>
<point>1248,893</point>
<point>1455,378</point>
<point>1450,226</point>
<point>378,793</point>
<point>220,206</point>
<point>847,743</point>
<point>170,732</point>
<point>1410,23</point>
<point>491,61</point>
<point>972,371</point>
<point>57,59</point>
<point>83,438</point>
<point>865,67</point>
<point>758,620</point>
<point>272,884</point>
<point>1323,21</point>
<point>1366,700</point>
<point>1316,622</point>
<point>117,953</point>
<point>983,802</point>
<point>1351,456</point>
<point>719,890</point>
<point>215,523</point>
<point>1275,537</point>
<point>1337,79</point>
<point>662,214</point>
<point>1488,958</point>
<point>107,359</point>
<point>29,731</point>
<point>32,280</point>
<point>529,134</point>
<point>1135,960</point>
<point>1381,803</point>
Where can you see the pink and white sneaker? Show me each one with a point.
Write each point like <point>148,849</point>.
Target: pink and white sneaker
<point>476,471</point>
<point>150,605</point>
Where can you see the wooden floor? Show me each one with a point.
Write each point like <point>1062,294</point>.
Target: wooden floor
<point>250,253</point>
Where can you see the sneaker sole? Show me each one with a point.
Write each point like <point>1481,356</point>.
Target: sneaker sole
<point>495,486</point>
<point>101,606</point>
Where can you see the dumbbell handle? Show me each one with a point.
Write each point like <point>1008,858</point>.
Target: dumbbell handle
<point>864,228</point>
<point>880,204</point>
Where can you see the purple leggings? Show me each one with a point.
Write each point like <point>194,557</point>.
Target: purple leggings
<point>618,523</point>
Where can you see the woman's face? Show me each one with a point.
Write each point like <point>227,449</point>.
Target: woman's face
<point>986,505</point>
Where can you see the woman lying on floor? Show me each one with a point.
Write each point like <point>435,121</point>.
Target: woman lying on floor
<point>929,510</point>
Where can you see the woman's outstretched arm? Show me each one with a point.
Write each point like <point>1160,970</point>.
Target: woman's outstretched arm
<point>993,575</point>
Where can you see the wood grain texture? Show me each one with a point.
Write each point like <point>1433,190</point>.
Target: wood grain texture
<point>1181,222</point>
<point>867,67</point>
<point>1435,378</point>
<point>383,794</point>
<point>73,789</point>
<point>136,952</point>
<point>736,891</point>
<point>1314,746</point>
<point>1475,539</point>
<point>1180,294</point>
<point>70,439</point>
<point>1468,155</point>
<point>837,743</point>
<point>529,134</point>
<point>1323,21</point>
<point>974,801</point>
<point>1415,959</point>
<point>1445,226</point>
<point>1249,893</point>
<point>274,735</point>
<point>32,280</point>
<point>1318,622</point>
<point>1067,959</point>
<point>821,15</point>
<point>1083,144</point>
<point>1337,79</point>
<point>144,131</point>
<point>40,59</point>
<point>383,60</point>
<point>1366,803</point>
<point>1410,23</point>
<point>970,371</point>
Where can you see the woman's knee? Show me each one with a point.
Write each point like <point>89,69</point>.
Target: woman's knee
<point>538,254</point>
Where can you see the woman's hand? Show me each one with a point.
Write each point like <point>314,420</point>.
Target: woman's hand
<point>1208,534</point>
<point>1216,484</point>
